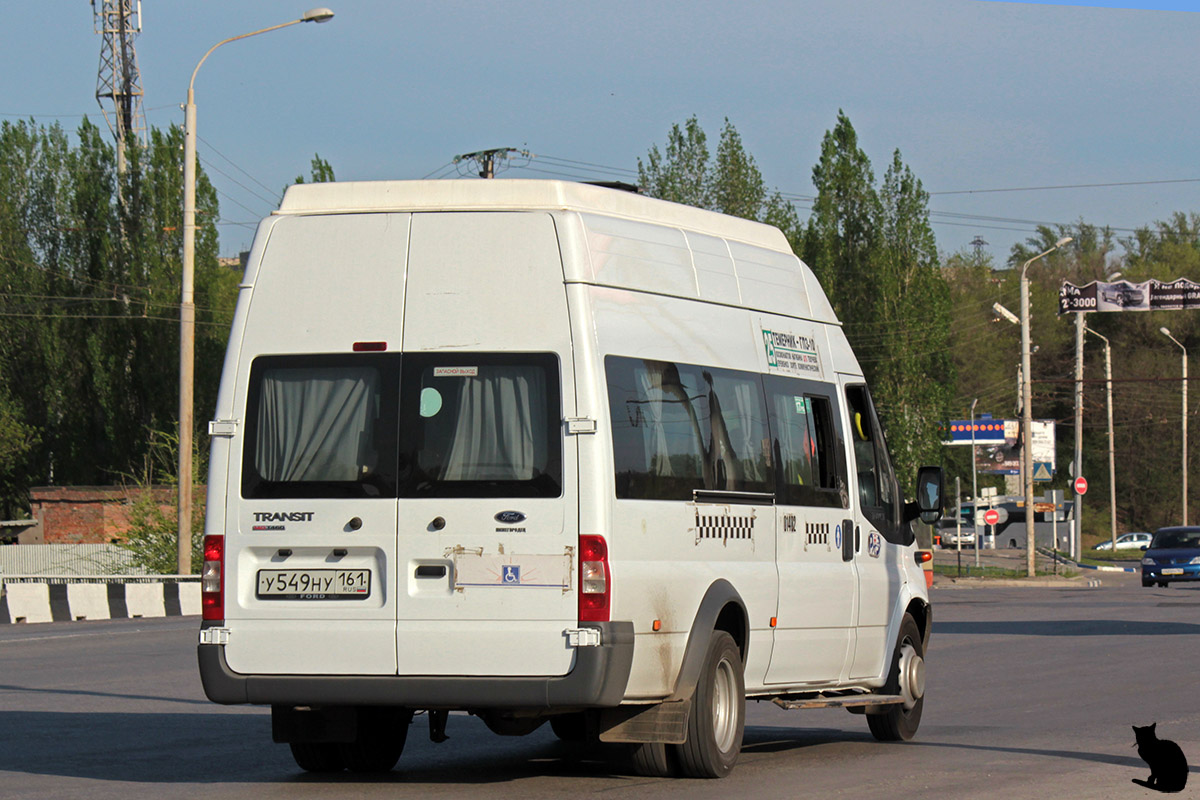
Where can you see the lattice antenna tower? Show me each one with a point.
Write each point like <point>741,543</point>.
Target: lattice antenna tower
<point>119,84</point>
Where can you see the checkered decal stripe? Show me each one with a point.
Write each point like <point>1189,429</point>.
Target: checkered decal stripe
<point>723,527</point>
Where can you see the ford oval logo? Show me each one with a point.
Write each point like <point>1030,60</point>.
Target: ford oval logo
<point>510,517</point>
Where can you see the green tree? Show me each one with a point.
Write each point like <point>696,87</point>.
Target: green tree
<point>152,538</point>
<point>841,240</point>
<point>320,171</point>
<point>735,185</point>
<point>681,175</point>
<point>874,252</point>
<point>731,183</point>
<point>90,281</point>
<point>913,376</point>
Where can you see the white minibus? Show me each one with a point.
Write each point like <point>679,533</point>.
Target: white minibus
<point>548,452</point>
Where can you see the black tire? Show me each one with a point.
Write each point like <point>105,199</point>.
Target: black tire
<point>570,727</point>
<point>899,724</point>
<point>1146,582</point>
<point>318,756</point>
<point>653,759</point>
<point>718,715</point>
<point>382,733</point>
<point>512,726</point>
<point>1162,584</point>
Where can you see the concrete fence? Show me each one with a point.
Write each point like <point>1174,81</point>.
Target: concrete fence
<point>38,598</point>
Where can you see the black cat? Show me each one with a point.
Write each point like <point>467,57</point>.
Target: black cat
<point>1168,767</point>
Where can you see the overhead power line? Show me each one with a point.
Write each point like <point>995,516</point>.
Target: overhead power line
<point>1067,186</point>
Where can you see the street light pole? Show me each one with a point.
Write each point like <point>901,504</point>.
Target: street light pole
<point>1112,468</point>
<point>1027,410</point>
<point>187,307</point>
<point>1167,333</point>
<point>1077,506</point>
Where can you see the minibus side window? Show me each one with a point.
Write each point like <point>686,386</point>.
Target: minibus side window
<point>806,438</point>
<point>480,425</point>
<point>681,427</point>
<point>321,426</point>
<point>877,488</point>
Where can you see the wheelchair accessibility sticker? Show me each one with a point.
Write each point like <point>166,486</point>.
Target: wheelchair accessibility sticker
<point>525,571</point>
<point>874,544</point>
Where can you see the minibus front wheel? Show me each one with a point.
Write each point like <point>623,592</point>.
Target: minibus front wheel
<point>907,679</point>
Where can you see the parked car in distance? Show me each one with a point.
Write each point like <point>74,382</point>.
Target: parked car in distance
<point>1127,541</point>
<point>951,534</point>
<point>1174,555</point>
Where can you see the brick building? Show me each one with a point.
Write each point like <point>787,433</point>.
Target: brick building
<point>90,514</point>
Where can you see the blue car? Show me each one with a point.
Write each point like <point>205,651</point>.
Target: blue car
<point>1174,555</point>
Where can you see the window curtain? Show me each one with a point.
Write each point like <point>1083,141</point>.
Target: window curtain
<point>658,455</point>
<point>314,424</point>
<point>499,430</point>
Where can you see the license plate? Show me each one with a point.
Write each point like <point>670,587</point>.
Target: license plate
<point>314,584</point>
<point>1173,571</point>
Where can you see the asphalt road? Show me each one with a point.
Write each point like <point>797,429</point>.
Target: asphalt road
<point>1031,694</point>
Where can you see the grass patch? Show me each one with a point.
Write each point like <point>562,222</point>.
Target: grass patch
<point>984,571</point>
<point>1106,558</point>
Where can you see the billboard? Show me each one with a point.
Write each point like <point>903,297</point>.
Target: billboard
<point>1151,295</point>
<point>1002,456</point>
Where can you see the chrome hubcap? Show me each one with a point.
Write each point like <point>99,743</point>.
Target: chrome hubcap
<point>724,712</point>
<point>912,676</point>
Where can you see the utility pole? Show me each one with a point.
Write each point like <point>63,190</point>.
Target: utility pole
<point>1166,332</point>
<point>974,488</point>
<point>118,83</point>
<point>1077,536</point>
<point>1027,410</point>
<point>1112,468</point>
<point>485,160</point>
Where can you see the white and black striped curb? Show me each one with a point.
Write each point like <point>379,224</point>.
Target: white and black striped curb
<point>67,600</point>
<point>1063,559</point>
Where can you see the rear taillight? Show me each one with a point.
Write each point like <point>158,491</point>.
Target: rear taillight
<point>595,584</point>
<point>212,579</point>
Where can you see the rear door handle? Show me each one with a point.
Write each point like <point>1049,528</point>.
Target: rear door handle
<point>430,571</point>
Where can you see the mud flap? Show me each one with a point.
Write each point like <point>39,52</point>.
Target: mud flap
<point>661,722</point>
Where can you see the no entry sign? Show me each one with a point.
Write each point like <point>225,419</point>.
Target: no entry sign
<point>1081,485</point>
<point>991,516</point>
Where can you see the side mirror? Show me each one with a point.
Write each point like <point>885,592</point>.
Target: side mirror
<point>929,494</point>
<point>1145,548</point>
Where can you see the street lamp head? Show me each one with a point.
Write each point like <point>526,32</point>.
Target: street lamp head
<point>317,15</point>
<point>1004,312</point>
<point>1163,330</point>
<point>1063,240</point>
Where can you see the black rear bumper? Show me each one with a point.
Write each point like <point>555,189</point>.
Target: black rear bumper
<point>597,680</point>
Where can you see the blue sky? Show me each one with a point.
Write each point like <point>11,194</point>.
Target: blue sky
<point>978,95</point>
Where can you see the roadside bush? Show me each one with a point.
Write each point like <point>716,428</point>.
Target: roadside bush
<point>153,535</point>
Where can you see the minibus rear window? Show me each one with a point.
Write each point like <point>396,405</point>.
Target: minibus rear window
<point>480,425</point>
<point>321,426</point>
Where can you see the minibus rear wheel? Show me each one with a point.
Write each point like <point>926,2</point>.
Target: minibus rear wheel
<point>718,717</point>
<point>318,756</point>
<point>382,733</point>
